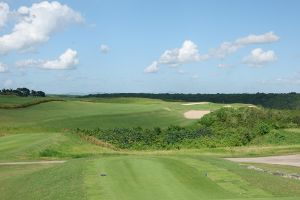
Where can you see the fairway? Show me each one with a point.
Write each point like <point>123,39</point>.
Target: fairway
<point>144,177</point>
<point>95,113</point>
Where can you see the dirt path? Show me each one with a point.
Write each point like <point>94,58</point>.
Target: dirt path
<point>292,160</point>
<point>34,162</point>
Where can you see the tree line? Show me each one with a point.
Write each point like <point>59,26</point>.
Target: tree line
<point>22,92</point>
<point>269,100</point>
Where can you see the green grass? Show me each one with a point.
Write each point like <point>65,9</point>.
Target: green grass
<point>96,113</point>
<point>73,114</point>
<point>15,100</point>
<point>37,182</point>
<point>145,177</point>
<point>41,132</point>
<point>36,146</point>
<point>279,137</point>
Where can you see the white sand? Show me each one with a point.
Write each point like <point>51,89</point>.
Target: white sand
<point>292,160</point>
<point>227,106</point>
<point>195,103</point>
<point>195,114</point>
<point>252,106</point>
<point>167,109</point>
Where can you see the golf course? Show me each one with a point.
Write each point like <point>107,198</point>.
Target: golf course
<point>149,100</point>
<point>45,153</point>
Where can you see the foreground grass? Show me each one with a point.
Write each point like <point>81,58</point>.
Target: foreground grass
<point>184,174</point>
<point>144,177</point>
<point>55,182</point>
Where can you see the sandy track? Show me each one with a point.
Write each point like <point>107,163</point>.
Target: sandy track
<point>195,114</point>
<point>34,162</point>
<point>195,103</point>
<point>292,160</point>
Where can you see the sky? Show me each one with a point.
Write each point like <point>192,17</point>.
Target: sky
<point>174,46</point>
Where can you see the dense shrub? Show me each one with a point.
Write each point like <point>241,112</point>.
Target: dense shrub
<point>224,127</point>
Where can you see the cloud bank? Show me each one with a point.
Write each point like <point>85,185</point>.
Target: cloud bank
<point>189,52</point>
<point>68,60</point>
<point>4,12</point>
<point>227,48</point>
<point>37,23</point>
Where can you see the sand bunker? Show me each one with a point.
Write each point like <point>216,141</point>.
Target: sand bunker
<point>227,106</point>
<point>195,103</point>
<point>252,106</point>
<point>195,114</point>
<point>292,160</point>
<point>167,109</point>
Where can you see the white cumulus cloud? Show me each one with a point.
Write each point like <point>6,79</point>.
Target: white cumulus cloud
<point>4,12</point>
<point>104,48</point>
<point>3,68</point>
<point>67,60</point>
<point>230,47</point>
<point>37,23</point>
<point>187,53</point>
<point>153,68</point>
<point>259,57</point>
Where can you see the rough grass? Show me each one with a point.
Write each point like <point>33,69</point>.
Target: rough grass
<point>46,146</point>
<point>279,137</point>
<point>14,102</point>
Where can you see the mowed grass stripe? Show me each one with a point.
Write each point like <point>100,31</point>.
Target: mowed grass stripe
<point>140,178</point>
<point>149,178</point>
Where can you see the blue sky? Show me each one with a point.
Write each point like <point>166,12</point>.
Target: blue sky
<point>190,46</point>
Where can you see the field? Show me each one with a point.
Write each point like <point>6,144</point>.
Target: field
<point>95,170</point>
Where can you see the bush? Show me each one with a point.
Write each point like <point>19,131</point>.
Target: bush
<point>223,128</point>
<point>50,153</point>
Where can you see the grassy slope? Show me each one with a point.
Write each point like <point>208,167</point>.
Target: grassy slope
<point>30,146</point>
<point>55,116</point>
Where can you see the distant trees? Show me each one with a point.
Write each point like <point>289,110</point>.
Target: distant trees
<point>22,92</point>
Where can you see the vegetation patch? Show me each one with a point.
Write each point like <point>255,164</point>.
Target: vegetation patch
<point>226,127</point>
<point>50,153</point>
